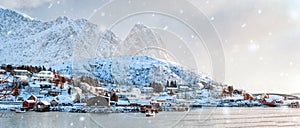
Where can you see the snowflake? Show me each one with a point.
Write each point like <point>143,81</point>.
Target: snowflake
<point>270,33</point>
<point>291,63</point>
<point>243,25</point>
<point>9,32</point>
<point>259,11</point>
<point>253,46</point>
<point>102,13</point>
<point>192,36</point>
<point>166,27</point>
<point>50,5</point>
<point>181,11</point>
<point>82,118</point>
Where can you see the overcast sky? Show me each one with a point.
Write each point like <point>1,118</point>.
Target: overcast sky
<point>260,38</point>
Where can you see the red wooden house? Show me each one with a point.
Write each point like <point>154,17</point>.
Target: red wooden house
<point>29,104</point>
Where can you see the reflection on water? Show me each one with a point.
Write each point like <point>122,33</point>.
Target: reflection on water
<point>205,117</point>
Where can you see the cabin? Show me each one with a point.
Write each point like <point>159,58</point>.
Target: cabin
<point>22,74</point>
<point>29,104</point>
<point>123,103</point>
<point>46,85</point>
<point>32,97</point>
<point>42,106</point>
<point>2,75</point>
<point>44,76</point>
<point>54,102</point>
<point>54,92</point>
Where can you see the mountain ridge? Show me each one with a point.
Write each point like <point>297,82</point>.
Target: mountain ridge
<point>80,46</point>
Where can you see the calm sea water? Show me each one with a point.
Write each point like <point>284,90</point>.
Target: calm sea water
<point>204,117</point>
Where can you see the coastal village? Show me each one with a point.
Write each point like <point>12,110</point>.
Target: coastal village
<point>40,89</point>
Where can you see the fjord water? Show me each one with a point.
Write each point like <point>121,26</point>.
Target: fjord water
<point>204,117</point>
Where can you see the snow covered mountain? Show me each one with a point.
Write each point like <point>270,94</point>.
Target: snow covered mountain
<point>24,40</point>
<point>143,41</point>
<point>142,70</point>
<point>28,41</point>
<point>79,47</point>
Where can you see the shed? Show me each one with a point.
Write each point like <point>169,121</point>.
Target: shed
<point>42,106</point>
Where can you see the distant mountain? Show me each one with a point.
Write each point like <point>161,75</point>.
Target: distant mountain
<point>144,41</point>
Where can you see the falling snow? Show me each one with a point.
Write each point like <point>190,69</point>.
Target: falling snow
<point>82,118</point>
<point>50,5</point>
<point>212,18</point>
<point>253,46</point>
<point>102,13</point>
<point>243,25</point>
<point>181,11</point>
<point>166,27</point>
<point>270,33</point>
<point>259,11</point>
<point>192,36</point>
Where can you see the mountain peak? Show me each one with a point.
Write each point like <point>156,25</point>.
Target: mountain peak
<point>139,26</point>
<point>8,13</point>
<point>109,34</point>
<point>65,39</point>
<point>62,18</point>
<point>144,41</point>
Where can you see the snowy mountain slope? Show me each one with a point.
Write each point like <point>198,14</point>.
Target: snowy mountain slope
<point>27,41</point>
<point>142,70</point>
<point>78,47</point>
<point>143,41</point>
<point>108,45</point>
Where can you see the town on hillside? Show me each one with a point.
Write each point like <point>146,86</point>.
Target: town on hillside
<point>36,88</point>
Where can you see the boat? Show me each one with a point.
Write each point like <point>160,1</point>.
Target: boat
<point>13,109</point>
<point>293,104</point>
<point>150,114</point>
<point>271,102</point>
<point>21,110</point>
